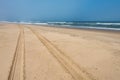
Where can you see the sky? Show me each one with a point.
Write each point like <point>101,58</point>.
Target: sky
<point>60,10</point>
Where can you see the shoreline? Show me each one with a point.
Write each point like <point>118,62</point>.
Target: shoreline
<point>85,29</point>
<point>69,26</point>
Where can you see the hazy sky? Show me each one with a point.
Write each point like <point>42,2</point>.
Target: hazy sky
<point>60,10</point>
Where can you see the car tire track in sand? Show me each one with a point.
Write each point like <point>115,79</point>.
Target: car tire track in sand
<point>17,68</point>
<point>68,64</point>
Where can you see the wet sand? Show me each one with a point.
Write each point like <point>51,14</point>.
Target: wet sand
<point>29,52</point>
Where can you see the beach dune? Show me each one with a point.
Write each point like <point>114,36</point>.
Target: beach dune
<point>33,52</point>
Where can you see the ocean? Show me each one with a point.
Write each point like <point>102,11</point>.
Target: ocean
<point>104,25</point>
<point>88,25</point>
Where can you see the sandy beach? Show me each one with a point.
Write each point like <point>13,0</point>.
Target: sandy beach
<point>32,52</point>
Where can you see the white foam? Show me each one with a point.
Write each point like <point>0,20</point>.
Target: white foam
<point>102,28</point>
<point>108,23</point>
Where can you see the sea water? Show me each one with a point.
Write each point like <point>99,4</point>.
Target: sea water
<point>88,24</point>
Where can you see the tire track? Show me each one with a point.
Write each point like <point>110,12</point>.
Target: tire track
<point>71,67</point>
<point>18,58</point>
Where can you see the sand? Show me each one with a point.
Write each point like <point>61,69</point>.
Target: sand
<point>32,52</point>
